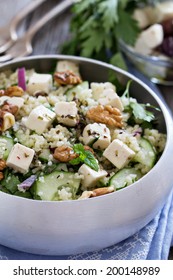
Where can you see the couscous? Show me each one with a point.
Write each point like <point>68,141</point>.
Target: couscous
<point>62,138</point>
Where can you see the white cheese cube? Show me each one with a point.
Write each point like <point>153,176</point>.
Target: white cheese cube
<point>118,153</point>
<point>94,131</point>
<point>90,176</point>
<point>141,47</point>
<point>164,11</point>
<point>153,36</point>
<point>39,119</point>
<point>66,113</point>
<point>110,97</point>
<point>20,158</point>
<point>64,65</point>
<point>18,101</point>
<point>39,82</point>
<point>141,17</point>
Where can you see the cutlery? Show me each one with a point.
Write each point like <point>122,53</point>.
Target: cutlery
<point>8,33</point>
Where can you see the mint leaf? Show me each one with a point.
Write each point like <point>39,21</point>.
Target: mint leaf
<point>78,148</point>
<point>85,156</point>
<point>91,161</point>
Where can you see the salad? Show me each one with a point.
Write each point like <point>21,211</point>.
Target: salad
<point>63,138</point>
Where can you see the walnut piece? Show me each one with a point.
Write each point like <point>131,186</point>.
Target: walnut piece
<point>1,176</point>
<point>12,91</point>
<point>105,114</point>
<point>7,120</point>
<point>2,164</point>
<point>67,78</point>
<point>11,108</point>
<point>96,192</point>
<point>64,154</point>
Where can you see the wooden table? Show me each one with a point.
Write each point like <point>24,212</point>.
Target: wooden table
<point>49,39</point>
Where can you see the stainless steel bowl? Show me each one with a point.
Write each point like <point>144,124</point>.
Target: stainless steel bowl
<point>70,227</point>
<point>158,69</point>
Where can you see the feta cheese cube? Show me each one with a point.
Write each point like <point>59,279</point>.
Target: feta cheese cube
<point>141,17</point>
<point>90,176</point>
<point>66,113</point>
<point>118,153</point>
<point>141,47</point>
<point>18,101</point>
<point>39,82</point>
<point>110,97</point>
<point>20,158</point>
<point>40,119</point>
<point>64,65</point>
<point>164,11</point>
<point>153,36</point>
<point>94,131</point>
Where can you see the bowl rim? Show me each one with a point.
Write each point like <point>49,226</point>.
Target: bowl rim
<point>164,108</point>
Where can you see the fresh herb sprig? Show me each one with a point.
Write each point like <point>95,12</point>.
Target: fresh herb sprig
<point>138,110</point>
<point>85,156</point>
<point>98,25</point>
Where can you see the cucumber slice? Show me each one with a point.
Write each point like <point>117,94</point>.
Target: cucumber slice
<point>124,178</point>
<point>147,154</point>
<point>72,92</point>
<point>6,144</point>
<point>48,186</point>
<point>44,155</point>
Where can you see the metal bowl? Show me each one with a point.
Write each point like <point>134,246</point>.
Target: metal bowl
<point>70,227</point>
<point>159,69</point>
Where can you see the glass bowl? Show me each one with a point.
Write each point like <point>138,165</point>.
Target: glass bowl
<point>159,69</point>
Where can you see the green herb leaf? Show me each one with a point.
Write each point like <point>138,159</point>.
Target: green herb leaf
<point>126,28</point>
<point>12,183</point>
<point>140,112</point>
<point>85,156</point>
<point>98,25</point>
<point>91,161</point>
<point>126,92</point>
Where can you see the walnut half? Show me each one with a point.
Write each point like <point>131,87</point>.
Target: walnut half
<point>106,114</point>
<point>7,120</point>
<point>67,78</point>
<point>12,91</point>
<point>64,154</point>
<point>2,164</point>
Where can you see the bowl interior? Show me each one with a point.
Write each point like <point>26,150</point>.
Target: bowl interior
<point>95,71</point>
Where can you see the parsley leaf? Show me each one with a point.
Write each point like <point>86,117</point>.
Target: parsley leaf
<point>85,156</point>
<point>98,25</point>
<point>138,110</point>
<point>140,113</point>
<point>126,28</point>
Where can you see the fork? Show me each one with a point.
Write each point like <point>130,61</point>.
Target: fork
<point>8,33</point>
<point>23,46</point>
